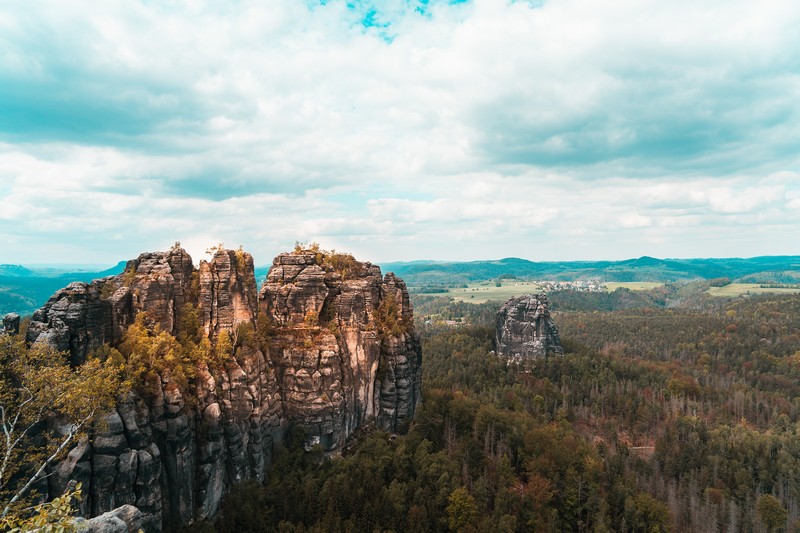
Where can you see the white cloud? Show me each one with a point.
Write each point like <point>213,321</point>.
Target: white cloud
<point>485,129</point>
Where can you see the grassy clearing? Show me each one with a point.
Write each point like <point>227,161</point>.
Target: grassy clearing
<point>478,293</point>
<point>738,289</point>
<point>483,291</point>
<point>633,285</point>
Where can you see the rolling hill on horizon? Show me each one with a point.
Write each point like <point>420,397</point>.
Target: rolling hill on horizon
<point>24,289</point>
<point>764,269</point>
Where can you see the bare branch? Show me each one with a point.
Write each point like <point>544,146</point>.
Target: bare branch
<point>38,475</point>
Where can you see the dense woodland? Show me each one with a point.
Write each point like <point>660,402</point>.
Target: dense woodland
<point>669,411</point>
<point>655,419</point>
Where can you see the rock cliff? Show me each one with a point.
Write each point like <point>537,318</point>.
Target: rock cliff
<point>83,316</point>
<point>345,351</point>
<point>525,330</point>
<point>327,346</point>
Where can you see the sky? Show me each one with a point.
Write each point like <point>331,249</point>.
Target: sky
<point>400,129</point>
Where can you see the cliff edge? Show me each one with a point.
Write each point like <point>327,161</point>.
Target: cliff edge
<point>327,346</point>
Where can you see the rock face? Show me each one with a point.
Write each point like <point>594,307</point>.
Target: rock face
<point>84,316</point>
<point>125,519</point>
<point>525,330</point>
<point>339,362</point>
<point>11,324</point>
<point>227,291</point>
<point>327,346</point>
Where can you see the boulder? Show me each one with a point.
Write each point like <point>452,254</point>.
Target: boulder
<point>11,324</point>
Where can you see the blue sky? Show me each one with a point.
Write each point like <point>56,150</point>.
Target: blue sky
<point>400,130</point>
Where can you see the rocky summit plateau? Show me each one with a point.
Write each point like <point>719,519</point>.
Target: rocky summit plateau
<point>337,352</point>
<point>525,330</point>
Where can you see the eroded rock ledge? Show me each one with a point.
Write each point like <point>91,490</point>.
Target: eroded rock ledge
<point>337,352</point>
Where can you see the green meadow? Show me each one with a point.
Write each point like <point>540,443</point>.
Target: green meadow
<point>632,285</point>
<point>738,289</point>
<point>483,291</point>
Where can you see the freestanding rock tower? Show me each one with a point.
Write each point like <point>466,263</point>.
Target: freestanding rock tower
<point>525,330</point>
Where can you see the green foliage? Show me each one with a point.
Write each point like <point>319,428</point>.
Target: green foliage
<point>771,512</point>
<point>129,276</point>
<point>55,516</point>
<point>645,513</point>
<point>36,386</point>
<point>343,264</point>
<point>388,318</point>
<point>490,450</point>
<point>106,290</point>
<point>655,419</point>
<point>461,510</point>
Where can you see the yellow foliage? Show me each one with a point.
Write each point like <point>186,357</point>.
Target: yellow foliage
<point>55,516</point>
<point>341,263</point>
<point>36,385</point>
<point>389,319</point>
<point>151,354</point>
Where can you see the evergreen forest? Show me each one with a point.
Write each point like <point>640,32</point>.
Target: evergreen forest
<point>655,419</point>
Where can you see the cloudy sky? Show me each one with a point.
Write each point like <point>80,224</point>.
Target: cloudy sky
<point>400,129</point>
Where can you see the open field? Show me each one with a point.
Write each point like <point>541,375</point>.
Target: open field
<point>632,285</point>
<point>738,289</point>
<point>484,291</point>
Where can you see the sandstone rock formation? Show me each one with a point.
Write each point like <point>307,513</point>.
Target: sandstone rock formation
<point>125,519</point>
<point>525,330</point>
<point>11,324</point>
<point>83,316</point>
<point>327,346</point>
<point>227,291</point>
<point>339,363</point>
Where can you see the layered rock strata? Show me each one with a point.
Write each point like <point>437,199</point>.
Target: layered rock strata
<point>525,330</point>
<point>83,316</point>
<point>327,346</point>
<point>339,361</point>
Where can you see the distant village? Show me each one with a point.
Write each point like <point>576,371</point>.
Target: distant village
<point>584,285</point>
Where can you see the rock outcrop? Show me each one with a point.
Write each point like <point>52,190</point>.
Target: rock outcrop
<point>11,324</point>
<point>525,330</point>
<point>83,316</point>
<point>345,352</point>
<point>125,519</point>
<point>228,293</point>
<point>327,346</point>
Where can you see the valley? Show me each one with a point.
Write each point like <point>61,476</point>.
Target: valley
<point>316,401</point>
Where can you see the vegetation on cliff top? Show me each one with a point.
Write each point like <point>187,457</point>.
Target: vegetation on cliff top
<point>343,264</point>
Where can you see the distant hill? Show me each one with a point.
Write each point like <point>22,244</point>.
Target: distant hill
<point>777,269</point>
<point>15,271</point>
<point>23,290</point>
